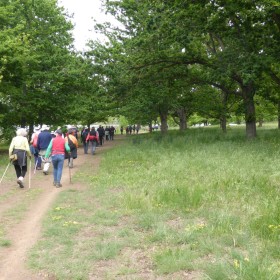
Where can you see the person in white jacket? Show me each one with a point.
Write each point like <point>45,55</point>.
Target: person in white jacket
<point>18,152</point>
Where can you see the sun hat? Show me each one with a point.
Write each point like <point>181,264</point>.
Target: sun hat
<point>45,127</point>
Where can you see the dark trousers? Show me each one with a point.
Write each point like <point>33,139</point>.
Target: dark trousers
<point>20,170</point>
<point>101,140</point>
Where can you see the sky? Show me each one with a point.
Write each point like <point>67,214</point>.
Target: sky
<point>84,12</point>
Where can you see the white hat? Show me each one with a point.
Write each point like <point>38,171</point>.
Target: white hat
<point>21,131</point>
<point>44,127</point>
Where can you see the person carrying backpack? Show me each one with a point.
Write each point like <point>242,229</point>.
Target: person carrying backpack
<point>73,144</point>
<point>84,140</point>
<point>18,152</point>
<point>33,142</point>
<point>44,139</point>
<point>56,149</point>
<point>101,134</point>
<point>93,138</point>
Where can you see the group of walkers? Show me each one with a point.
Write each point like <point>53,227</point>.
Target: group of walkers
<point>131,128</point>
<point>95,137</point>
<point>53,147</point>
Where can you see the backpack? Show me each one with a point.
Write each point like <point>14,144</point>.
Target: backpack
<point>84,135</point>
<point>92,136</point>
<point>35,140</point>
<point>71,144</point>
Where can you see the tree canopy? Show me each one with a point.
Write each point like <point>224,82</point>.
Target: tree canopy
<point>167,59</point>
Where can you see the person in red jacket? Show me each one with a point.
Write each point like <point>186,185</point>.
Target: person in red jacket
<point>93,138</point>
<point>57,148</point>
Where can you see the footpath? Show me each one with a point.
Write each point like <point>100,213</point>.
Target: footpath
<point>22,210</point>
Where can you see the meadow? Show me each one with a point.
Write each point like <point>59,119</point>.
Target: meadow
<point>199,204</point>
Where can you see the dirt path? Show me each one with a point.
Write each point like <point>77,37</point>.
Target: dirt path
<point>24,234</point>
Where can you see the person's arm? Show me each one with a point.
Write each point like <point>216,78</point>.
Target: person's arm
<point>67,146</point>
<point>11,148</point>
<point>49,149</point>
<point>38,142</point>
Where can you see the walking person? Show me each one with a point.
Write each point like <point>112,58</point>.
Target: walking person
<point>56,149</point>
<point>73,144</point>
<point>43,142</point>
<point>112,131</point>
<point>137,128</point>
<point>107,129</point>
<point>84,135</point>
<point>101,134</point>
<point>93,139</point>
<point>18,152</point>
<point>33,142</point>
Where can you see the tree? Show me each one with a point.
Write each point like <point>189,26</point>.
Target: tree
<point>33,59</point>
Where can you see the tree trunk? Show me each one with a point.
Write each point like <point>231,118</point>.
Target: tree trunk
<point>250,113</point>
<point>223,118</point>
<point>278,114</point>
<point>30,131</point>
<point>223,123</point>
<point>163,120</point>
<point>183,119</point>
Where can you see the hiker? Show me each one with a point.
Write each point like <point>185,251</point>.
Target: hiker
<point>121,130</point>
<point>111,133</point>
<point>137,128</point>
<point>93,139</point>
<point>107,129</point>
<point>44,139</point>
<point>101,134</point>
<point>18,152</point>
<point>56,149</point>
<point>34,147</point>
<point>84,135</point>
<point>73,144</point>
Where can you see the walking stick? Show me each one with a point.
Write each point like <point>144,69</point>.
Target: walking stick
<point>5,172</point>
<point>29,173</point>
<point>35,167</point>
<point>69,174</point>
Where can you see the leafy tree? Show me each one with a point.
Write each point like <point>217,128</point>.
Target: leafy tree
<point>33,59</point>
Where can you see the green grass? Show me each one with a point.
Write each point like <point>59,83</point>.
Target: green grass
<point>199,201</point>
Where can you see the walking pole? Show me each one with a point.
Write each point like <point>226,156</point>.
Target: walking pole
<point>35,167</point>
<point>5,172</point>
<point>69,173</point>
<point>29,173</point>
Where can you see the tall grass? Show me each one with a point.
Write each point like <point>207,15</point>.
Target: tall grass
<point>204,201</point>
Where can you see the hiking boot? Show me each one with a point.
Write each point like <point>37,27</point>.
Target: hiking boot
<point>45,172</point>
<point>54,183</point>
<point>58,185</point>
<point>20,183</point>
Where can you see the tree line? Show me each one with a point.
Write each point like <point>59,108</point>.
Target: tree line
<point>166,59</point>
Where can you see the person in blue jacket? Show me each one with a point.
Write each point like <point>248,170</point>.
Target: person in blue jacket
<point>43,142</point>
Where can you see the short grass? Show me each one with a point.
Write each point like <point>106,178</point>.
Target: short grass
<point>198,202</point>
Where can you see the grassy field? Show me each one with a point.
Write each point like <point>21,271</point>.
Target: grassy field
<point>199,204</point>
